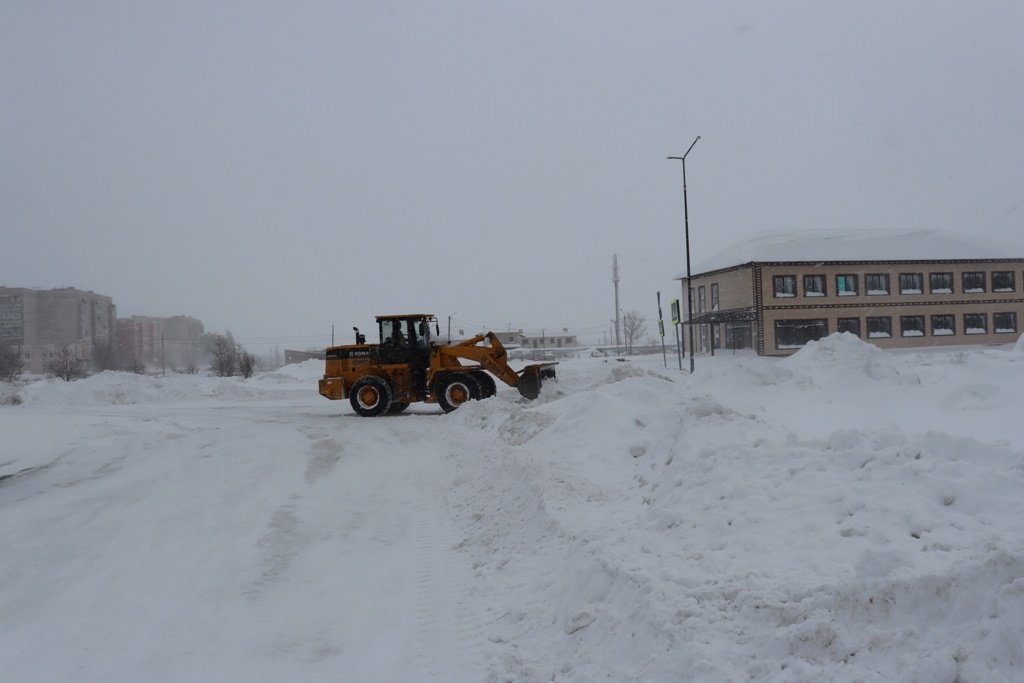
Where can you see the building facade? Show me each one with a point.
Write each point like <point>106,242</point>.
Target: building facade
<point>41,322</point>
<point>776,307</point>
<point>170,342</point>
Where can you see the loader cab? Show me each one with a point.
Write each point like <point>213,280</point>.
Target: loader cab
<point>406,338</point>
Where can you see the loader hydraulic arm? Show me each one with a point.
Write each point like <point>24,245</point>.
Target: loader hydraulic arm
<point>492,358</point>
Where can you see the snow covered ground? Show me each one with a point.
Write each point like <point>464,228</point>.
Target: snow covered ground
<point>845,514</point>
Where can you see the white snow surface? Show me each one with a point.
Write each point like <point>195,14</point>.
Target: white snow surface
<point>856,245</point>
<point>845,514</point>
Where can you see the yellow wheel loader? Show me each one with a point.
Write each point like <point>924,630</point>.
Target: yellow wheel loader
<point>409,366</point>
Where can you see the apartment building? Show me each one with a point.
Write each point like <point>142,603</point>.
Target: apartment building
<point>41,322</point>
<point>894,290</point>
<point>174,342</point>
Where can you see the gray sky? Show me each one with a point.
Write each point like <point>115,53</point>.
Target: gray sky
<point>276,168</point>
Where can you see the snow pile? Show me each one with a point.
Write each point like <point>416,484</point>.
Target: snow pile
<point>845,514</point>
<point>658,530</point>
<point>840,358</point>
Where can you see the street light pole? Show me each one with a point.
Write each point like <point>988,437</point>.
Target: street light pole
<point>689,280</point>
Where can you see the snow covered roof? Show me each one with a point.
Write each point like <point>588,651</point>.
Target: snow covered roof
<point>859,245</point>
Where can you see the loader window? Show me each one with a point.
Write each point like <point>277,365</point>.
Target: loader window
<point>391,332</point>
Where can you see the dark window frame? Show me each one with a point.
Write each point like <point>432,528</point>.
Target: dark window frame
<point>792,325</point>
<point>819,287</point>
<point>876,291</point>
<point>996,327</point>
<point>781,293</point>
<point>911,278</point>
<point>982,317</point>
<point>843,325</point>
<point>879,318</point>
<point>974,290</point>
<point>702,299</point>
<point>948,276</point>
<point>943,316</point>
<point>842,291</point>
<point>912,323</point>
<point>1013,280</point>
<point>715,296</point>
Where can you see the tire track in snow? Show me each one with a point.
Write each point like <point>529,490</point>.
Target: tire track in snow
<point>449,645</point>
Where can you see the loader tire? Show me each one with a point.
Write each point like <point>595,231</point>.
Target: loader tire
<point>487,386</point>
<point>455,389</point>
<point>370,396</point>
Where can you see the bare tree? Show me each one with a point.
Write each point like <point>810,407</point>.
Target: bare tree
<point>67,365</point>
<point>11,365</point>
<point>225,355</point>
<point>246,362</point>
<point>633,327</point>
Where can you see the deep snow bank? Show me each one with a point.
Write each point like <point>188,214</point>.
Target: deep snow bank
<point>656,527</point>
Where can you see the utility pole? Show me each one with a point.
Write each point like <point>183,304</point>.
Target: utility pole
<point>615,281</point>
<point>661,332</point>
<point>689,279</point>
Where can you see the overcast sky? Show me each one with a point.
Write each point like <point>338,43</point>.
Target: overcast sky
<point>275,168</point>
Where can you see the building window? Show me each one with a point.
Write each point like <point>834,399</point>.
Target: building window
<point>851,325</point>
<point>974,283</point>
<point>912,325</point>
<point>814,285</point>
<point>941,283</point>
<point>879,328</point>
<point>911,283</point>
<point>702,299</point>
<point>942,325</point>
<point>785,286</point>
<point>793,334</point>
<point>1004,322</point>
<point>975,323</point>
<point>876,284</point>
<point>846,285</point>
<point>1003,281</point>
<point>714,296</point>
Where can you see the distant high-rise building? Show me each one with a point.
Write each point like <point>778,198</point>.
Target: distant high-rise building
<point>173,342</point>
<point>40,322</point>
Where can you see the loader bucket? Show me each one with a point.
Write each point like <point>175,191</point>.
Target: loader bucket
<point>531,377</point>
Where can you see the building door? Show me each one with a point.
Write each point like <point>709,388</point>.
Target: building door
<point>738,336</point>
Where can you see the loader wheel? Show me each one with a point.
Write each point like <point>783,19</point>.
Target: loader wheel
<point>397,407</point>
<point>456,389</point>
<point>370,396</point>
<point>486,382</point>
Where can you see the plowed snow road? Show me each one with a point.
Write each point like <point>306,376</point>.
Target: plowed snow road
<point>267,541</point>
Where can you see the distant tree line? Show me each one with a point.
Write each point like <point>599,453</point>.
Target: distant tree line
<point>229,358</point>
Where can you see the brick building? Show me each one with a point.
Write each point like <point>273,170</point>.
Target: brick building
<point>893,289</point>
